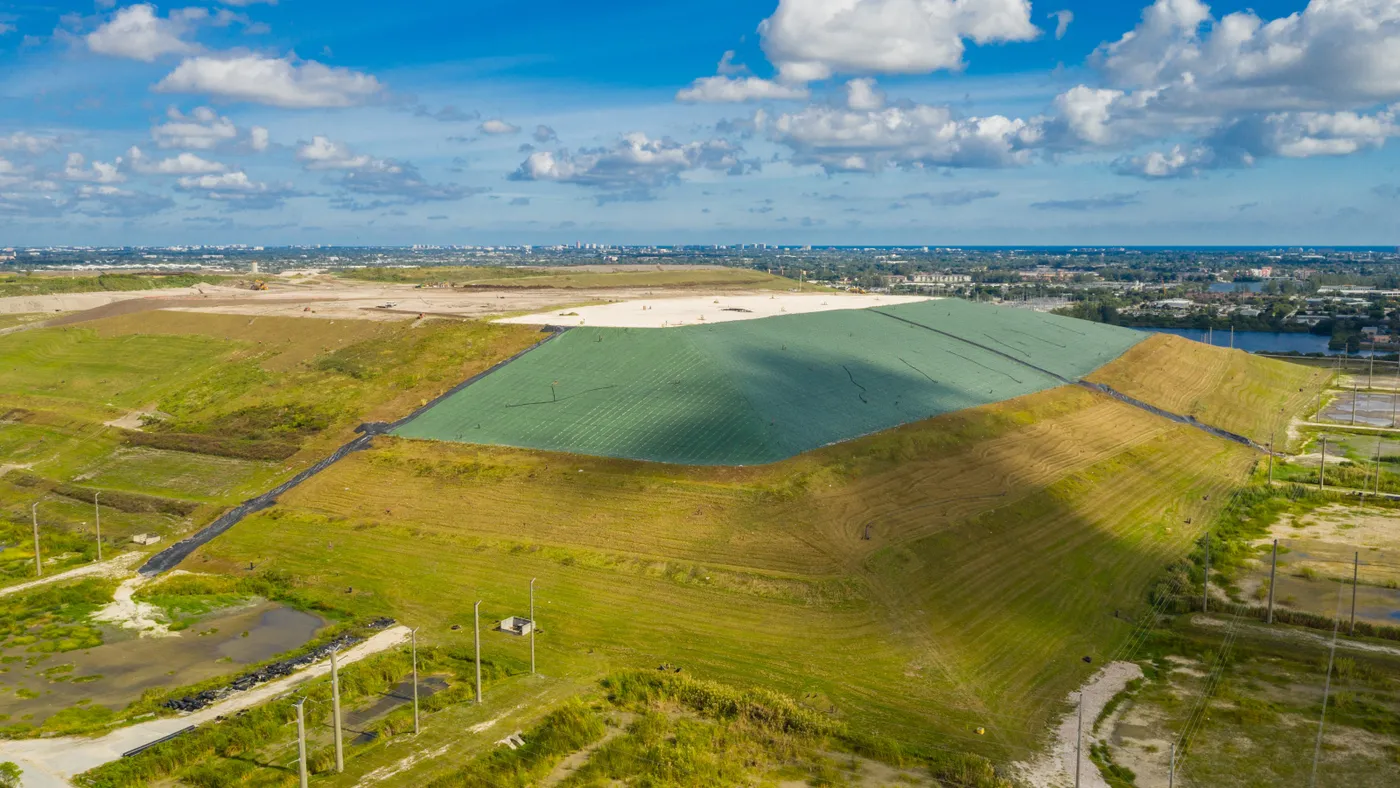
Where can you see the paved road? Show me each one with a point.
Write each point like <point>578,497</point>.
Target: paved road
<point>51,763</point>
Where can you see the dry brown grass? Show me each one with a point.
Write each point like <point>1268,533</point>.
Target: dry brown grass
<point>1229,389</point>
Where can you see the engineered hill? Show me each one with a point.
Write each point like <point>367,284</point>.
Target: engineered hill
<point>758,391</point>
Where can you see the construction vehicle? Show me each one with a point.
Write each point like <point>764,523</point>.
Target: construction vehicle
<point>259,284</point>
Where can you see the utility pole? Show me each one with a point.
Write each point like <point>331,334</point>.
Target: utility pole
<point>1171,767</point>
<point>301,742</point>
<point>1273,570</point>
<point>1205,590</point>
<point>97,512</point>
<point>335,715</point>
<point>1079,741</point>
<point>533,626</point>
<point>38,564</point>
<point>1322,469</point>
<point>1326,690</point>
<point>413,634</point>
<point>1354,400</point>
<point>1355,573</point>
<point>476,613</point>
<point>1271,456</point>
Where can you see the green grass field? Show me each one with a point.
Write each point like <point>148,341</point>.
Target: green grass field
<point>752,392</point>
<point>47,283</point>
<point>240,403</point>
<point>949,618</point>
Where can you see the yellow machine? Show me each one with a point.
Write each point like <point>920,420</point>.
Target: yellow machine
<point>259,284</point>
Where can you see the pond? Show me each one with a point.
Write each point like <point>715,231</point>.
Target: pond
<point>117,672</point>
<point>1257,341</point>
<point>1235,287</point>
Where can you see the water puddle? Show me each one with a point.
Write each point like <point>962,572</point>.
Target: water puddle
<point>117,672</point>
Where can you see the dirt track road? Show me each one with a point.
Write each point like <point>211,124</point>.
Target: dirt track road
<point>52,763</point>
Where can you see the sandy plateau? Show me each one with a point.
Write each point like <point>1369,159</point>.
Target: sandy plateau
<point>699,310</point>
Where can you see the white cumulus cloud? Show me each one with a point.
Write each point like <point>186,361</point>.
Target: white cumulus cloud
<point>634,166</point>
<point>279,82</point>
<point>810,40</point>
<point>139,33</point>
<point>201,129</point>
<point>736,89</point>
<point>76,168</point>
<point>182,164</point>
<point>497,126</point>
<point>1062,22</point>
<point>912,136</point>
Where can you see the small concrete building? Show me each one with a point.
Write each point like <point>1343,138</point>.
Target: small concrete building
<point>515,625</point>
<point>145,539</point>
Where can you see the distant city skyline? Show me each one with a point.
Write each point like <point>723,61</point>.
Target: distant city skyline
<point>824,122</point>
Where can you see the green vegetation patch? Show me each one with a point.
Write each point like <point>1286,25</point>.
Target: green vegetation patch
<point>42,284</point>
<point>753,392</point>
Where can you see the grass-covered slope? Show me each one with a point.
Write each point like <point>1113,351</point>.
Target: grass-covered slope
<point>235,404</point>
<point>1002,540</point>
<point>1230,389</point>
<point>757,391</point>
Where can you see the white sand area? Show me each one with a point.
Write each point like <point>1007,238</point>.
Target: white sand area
<point>699,310</point>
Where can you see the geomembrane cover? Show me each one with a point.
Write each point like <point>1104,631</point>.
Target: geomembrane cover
<point>757,391</point>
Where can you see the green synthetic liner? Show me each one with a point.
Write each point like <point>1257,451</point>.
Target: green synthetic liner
<point>757,391</point>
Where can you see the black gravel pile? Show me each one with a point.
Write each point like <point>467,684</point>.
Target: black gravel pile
<point>275,670</point>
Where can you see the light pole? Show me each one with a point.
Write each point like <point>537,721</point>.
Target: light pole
<point>533,626</point>
<point>335,714</point>
<point>301,741</point>
<point>476,628</point>
<point>413,634</point>
<point>38,564</point>
<point>97,512</point>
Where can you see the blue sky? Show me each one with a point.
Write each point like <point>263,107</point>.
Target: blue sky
<point>785,121</point>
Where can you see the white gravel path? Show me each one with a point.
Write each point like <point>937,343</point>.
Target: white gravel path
<point>1055,769</point>
<point>112,567</point>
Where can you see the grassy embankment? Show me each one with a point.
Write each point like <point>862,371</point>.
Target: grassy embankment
<point>237,404</point>
<point>553,277</point>
<point>49,284</point>
<point>1004,541</point>
<point>1230,389</point>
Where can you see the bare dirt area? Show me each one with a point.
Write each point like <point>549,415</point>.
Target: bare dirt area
<point>334,298</point>
<point>1057,767</point>
<point>699,310</point>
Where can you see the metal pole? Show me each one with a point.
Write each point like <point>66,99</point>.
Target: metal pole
<point>1271,458</point>
<point>1273,570</point>
<point>1378,466</point>
<point>1371,374</point>
<point>1355,573</point>
<point>1326,691</point>
<point>335,715</point>
<point>1354,399</point>
<point>1395,392</point>
<point>414,635</point>
<point>476,612</point>
<point>38,564</point>
<point>301,742</point>
<point>1079,741</point>
<point>533,626</point>
<point>97,511</point>
<point>1171,767</point>
<point>1322,469</point>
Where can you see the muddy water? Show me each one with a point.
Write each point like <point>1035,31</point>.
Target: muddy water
<point>125,667</point>
<point>1370,409</point>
